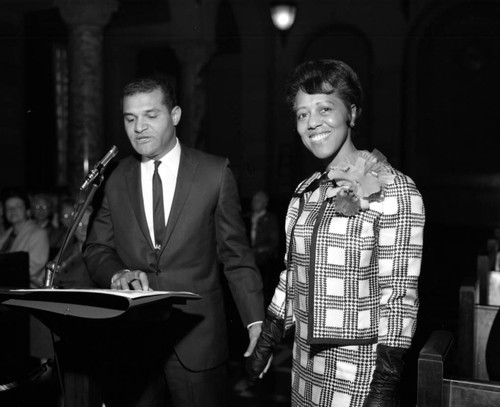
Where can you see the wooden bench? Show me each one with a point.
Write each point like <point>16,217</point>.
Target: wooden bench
<point>478,307</point>
<point>437,388</point>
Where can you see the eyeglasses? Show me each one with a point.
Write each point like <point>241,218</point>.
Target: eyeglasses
<point>38,206</point>
<point>19,207</point>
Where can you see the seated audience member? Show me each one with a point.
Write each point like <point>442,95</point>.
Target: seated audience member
<point>3,222</point>
<point>24,235</point>
<point>42,211</point>
<point>64,218</point>
<point>72,271</point>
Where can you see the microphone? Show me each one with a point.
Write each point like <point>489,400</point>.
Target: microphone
<point>92,175</point>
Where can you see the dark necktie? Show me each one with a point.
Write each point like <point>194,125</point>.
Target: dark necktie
<point>158,211</point>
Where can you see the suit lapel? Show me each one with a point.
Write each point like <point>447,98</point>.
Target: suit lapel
<point>135,196</point>
<point>185,177</point>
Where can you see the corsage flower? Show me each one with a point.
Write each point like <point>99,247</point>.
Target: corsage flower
<point>361,179</point>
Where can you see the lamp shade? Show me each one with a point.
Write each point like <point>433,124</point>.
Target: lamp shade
<point>283,15</point>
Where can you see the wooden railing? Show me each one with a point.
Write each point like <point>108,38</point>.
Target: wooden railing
<point>436,388</point>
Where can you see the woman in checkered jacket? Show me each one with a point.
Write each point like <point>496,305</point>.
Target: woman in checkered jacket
<point>354,249</point>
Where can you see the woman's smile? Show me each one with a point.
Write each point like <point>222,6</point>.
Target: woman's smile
<point>319,137</point>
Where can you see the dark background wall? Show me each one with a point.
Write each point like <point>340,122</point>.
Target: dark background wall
<point>428,69</point>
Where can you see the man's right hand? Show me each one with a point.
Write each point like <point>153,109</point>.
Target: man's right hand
<point>130,280</point>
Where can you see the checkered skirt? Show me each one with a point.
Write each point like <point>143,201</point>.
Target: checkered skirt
<point>322,375</point>
<point>330,376</point>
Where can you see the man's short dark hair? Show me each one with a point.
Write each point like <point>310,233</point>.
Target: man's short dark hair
<point>149,84</point>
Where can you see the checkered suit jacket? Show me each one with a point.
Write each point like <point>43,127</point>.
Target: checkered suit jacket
<point>361,271</point>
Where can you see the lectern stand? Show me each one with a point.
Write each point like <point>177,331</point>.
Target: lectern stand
<point>93,324</point>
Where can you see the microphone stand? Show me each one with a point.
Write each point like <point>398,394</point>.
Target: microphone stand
<point>52,267</point>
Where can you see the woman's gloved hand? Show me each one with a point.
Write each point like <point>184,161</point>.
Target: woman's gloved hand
<point>386,377</point>
<point>258,362</point>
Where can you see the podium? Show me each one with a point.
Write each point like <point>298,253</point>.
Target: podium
<point>95,327</point>
<point>14,340</point>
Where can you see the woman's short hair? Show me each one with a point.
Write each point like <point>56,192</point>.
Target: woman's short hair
<point>327,76</point>
<point>15,192</point>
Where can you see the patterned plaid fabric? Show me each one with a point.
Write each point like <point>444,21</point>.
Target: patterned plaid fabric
<point>330,376</point>
<point>350,281</point>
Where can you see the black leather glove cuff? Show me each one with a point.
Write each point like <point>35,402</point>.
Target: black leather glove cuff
<point>270,337</point>
<point>386,377</point>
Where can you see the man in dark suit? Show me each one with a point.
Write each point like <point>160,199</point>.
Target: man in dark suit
<point>202,226</point>
<point>264,240</point>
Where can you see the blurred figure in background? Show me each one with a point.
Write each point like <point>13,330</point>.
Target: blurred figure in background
<point>65,214</point>
<point>72,271</point>
<point>66,209</point>
<point>25,236</point>
<point>42,211</point>
<point>265,238</point>
<point>3,222</point>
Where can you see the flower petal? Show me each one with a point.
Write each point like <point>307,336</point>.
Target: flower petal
<point>347,203</point>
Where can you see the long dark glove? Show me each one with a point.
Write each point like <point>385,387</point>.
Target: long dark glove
<point>386,377</point>
<point>270,337</point>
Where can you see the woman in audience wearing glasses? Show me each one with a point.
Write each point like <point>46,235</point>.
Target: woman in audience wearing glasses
<point>25,236</point>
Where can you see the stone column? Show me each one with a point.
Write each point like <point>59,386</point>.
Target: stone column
<point>85,19</point>
<point>194,56</point>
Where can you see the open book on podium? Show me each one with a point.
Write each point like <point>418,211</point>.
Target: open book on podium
<point>91,303</point>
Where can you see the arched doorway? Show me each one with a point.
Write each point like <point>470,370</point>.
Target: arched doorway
<point>452,124</point>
